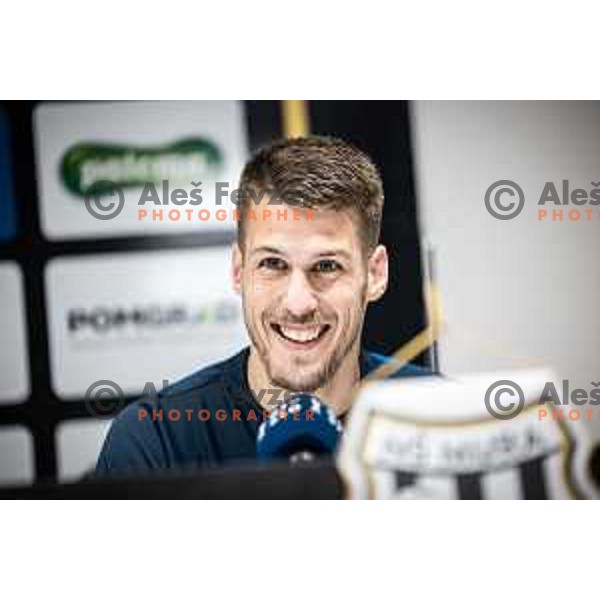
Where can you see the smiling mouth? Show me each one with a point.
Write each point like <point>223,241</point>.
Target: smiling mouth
<point>302,337</point>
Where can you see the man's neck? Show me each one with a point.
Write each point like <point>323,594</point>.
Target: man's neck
<point>337,394</point>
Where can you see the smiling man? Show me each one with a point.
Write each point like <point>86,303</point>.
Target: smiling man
<point>307,263</point>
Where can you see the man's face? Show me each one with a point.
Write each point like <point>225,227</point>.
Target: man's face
<point>305,283</point>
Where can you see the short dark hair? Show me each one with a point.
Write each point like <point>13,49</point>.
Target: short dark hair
<point>316,172</point>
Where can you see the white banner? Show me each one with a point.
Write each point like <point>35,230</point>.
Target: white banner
<point>14,361</point>
<point>164,158</point>
<point>136,317</point>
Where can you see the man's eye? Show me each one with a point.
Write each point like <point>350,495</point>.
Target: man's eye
<point>327,266</point>
<point>272,263</point>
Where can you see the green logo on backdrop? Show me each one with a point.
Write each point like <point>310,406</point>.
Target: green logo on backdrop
<point>123,166</point>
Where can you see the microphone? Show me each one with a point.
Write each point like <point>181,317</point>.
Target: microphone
<point>298,430</point>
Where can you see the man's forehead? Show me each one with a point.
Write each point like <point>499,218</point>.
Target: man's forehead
<point>322,232</point>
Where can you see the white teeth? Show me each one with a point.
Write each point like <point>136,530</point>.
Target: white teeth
<point>301,335</point>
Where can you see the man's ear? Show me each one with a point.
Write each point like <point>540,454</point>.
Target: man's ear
<point>237,264</point>
<point>377,273</point>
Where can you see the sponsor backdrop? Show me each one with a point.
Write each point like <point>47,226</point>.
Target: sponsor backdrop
<point>192,146</point>
<point>138,298</point>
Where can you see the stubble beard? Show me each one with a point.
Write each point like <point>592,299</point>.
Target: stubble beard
<point>311,381</point>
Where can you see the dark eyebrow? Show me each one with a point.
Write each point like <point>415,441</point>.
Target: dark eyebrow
<point>324,254</point>
<point>332,253</point>
<point>268,250</point>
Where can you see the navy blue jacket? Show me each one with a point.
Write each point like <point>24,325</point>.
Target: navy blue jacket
<point>208,418</point>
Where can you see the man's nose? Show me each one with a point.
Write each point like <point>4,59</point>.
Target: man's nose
<point>300,298</point>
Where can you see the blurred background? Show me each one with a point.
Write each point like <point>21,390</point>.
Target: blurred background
<point>86,301</point>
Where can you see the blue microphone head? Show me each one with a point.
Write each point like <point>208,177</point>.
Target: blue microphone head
<point>301,426</point>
